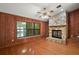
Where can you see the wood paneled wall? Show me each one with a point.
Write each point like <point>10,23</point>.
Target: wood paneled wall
<point>8,29</point>
<point>74,23</point>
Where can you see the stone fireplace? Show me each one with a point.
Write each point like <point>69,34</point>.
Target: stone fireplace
<point>58,27</point>
<point>58,33</point>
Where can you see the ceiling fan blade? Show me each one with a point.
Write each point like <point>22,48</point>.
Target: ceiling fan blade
<point>58,6</point>
<point>44,8</point>
<point>51,11</point>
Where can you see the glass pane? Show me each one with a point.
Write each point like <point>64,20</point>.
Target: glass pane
<point>33,32</point>
<point>33,24</point>
<point>21,33</point>
<point>21,29</point>
<point>37,26</point>
<point>29,25</point>
<point>37,32</point>
<point>29,32</point>
<point>21,25</point>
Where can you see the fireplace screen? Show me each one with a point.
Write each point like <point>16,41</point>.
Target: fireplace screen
<point>57,34</point>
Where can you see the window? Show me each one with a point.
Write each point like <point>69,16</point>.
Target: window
<point>21,29</point>
<point>29,29</point>
<point>36,29</point>
<point>25,29</point>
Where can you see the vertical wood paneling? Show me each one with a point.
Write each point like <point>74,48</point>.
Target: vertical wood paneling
<point>74,23</point>
<point>8,29</point>
<point>2,29</point>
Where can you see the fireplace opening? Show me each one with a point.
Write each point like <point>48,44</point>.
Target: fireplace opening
<point>57,34</point>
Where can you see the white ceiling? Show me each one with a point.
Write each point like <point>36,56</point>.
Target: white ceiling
<point>30,9</point>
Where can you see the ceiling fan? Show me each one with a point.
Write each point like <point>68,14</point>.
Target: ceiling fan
<point>44,13</point>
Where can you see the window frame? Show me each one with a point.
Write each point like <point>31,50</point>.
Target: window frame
<point>33,29</point>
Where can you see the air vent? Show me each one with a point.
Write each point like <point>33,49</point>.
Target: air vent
<point>58,6</point>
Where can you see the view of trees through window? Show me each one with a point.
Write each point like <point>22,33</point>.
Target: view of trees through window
<point>25,29</point>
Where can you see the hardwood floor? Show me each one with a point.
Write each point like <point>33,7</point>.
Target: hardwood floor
<point>41,46</point>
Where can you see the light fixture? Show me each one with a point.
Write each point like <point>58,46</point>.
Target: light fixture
<point>44,17</point>
<point>62,9</point>
<point>45,14</point>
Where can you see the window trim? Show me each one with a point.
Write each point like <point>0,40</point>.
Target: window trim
<point>28,36</point>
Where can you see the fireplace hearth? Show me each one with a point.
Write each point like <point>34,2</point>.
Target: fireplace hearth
<point>57,34</point>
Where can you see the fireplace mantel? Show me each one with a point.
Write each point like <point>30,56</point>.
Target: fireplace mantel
<point>58,26</point>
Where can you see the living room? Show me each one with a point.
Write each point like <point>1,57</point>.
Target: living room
<point>39,28</point>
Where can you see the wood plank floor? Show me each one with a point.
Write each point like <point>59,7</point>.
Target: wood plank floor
<point>41,46</point>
